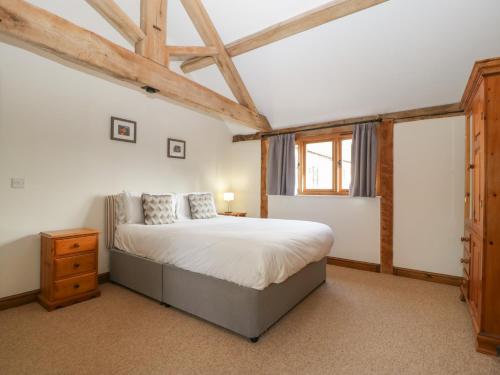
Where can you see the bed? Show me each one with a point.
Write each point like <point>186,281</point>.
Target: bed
<point>240,273</point>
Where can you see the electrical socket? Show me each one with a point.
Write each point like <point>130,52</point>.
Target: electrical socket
<point>17,182</point>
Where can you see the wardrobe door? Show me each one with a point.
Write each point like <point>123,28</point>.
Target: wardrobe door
<point>469,180</point>
<point>476,168</point>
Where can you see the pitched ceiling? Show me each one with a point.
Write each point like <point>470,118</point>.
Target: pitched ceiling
<point>399,55</point>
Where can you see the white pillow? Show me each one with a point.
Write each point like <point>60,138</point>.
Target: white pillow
<point>182,210</point>
<point>134,213</point>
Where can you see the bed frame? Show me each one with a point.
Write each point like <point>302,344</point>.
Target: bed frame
<point>246,311</point>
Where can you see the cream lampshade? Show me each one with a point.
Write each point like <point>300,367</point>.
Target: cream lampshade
<point>228,197</point>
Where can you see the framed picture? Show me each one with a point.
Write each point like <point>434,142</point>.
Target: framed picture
<point>123,130</point>
<point>176,148</point>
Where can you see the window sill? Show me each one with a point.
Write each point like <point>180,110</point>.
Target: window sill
<point>332,195</point>
<point>323,193</point>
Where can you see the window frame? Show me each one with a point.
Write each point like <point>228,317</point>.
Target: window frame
<point>336,139</point>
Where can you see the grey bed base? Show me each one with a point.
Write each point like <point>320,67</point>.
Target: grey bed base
<point>246,311</point>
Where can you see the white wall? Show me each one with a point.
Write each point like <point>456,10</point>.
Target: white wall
<point>354,221</point>
<point>245,177</point>
<point>429,194</point>
<point>54,132</point>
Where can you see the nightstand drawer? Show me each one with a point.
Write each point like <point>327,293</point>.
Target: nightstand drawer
<point>64,267</point>
<point>75,245</point>
<point>74,285</point>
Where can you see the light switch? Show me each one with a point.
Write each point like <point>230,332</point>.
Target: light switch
<point>17,183</point>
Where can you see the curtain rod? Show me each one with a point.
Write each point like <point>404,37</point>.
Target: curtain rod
<point>318,127</point>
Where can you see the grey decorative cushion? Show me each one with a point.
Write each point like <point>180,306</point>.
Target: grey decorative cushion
<point>158,209</point>
<point>202,206</point>
<point>120,213</point>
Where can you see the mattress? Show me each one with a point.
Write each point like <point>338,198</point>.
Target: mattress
<point>249,252</point>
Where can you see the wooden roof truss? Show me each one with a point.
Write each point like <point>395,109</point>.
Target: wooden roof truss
<point>148,66</point>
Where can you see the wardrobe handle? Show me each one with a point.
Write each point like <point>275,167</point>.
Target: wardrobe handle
<point>76,245</point>
<point>76,286</point>
<point>76,265</point>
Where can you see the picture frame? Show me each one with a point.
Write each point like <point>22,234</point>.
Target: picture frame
<point>123,130</point>
<point>176,148</point>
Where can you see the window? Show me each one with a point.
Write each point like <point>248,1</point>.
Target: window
<point>324,164</point>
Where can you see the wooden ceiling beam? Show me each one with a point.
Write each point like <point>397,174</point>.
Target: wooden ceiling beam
<point>328,12</point>
<point>210,37</point>
<point>38,28</point>
<point>154,25</point>
<point>181,53</point>
<point>447,110</point>
<point>118,19</point>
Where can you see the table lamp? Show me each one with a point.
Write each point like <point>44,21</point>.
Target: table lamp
<point>228,197</point>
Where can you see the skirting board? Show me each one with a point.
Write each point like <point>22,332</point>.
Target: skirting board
<point>356,264</point>
<point>28,297</point>
<point>405,272</point>
<point>428,276</point>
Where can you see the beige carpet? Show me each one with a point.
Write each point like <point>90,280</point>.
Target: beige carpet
<point>357,323</point>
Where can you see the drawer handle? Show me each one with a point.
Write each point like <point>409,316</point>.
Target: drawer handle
<point>76,265</point>
<point>76,286</point>
<point>76,245</point>
<point>465,260</point>
<point>465,239</point>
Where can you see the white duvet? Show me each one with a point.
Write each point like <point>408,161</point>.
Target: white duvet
<point>249,252</point>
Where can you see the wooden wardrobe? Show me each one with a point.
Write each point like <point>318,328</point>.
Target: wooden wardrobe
<point>481,258</point>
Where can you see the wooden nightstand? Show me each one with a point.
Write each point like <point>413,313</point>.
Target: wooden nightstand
<point>68,267</point>
<point>239,214</point>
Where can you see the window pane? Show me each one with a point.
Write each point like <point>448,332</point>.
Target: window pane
<point>346,163</point>
<point>319,165</point>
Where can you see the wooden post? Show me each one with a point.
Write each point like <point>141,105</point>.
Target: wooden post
<point>387,195</point>
<point>264,147</point>
<point>153,24</point>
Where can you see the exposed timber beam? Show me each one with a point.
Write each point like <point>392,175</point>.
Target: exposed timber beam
<point>35,27</point>
<point>302,22</point>
<point>386,140</point>
<point>182,53</point>
<point>210,37</point>
<point>118,19</point>
<point>154,25</point>
<point>447,110</point>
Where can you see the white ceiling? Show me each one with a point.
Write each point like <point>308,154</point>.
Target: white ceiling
<point>399,55</point>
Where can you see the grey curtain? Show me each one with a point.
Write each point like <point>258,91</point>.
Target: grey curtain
<point>281,165</point>
<point>364,160</point>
